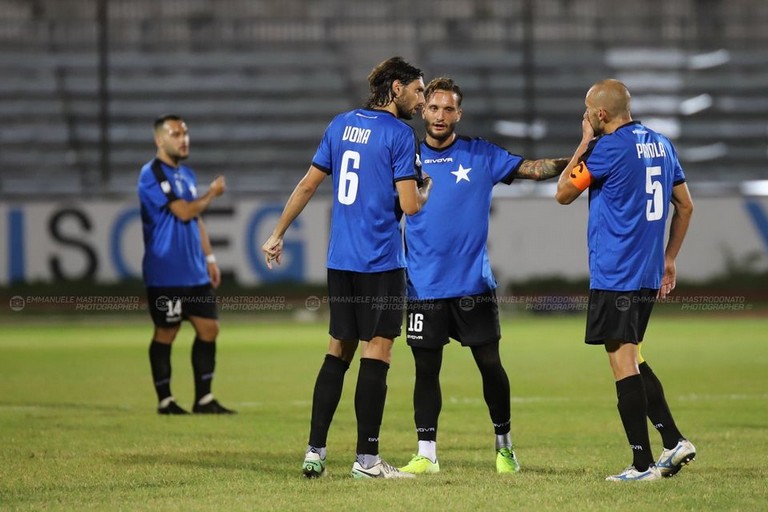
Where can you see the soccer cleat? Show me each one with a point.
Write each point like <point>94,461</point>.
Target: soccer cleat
<point>314,465</point>
<point>632,475</point>
<point>506,462</point>
<point>212,407</point>
<point>420,465</point>
<point>672,461</point>
<point>381,469</point>
<point>170,408</point>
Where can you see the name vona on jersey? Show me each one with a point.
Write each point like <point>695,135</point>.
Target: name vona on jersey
<point>355,134</point>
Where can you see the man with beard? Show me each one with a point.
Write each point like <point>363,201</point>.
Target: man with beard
<point>372,157</point>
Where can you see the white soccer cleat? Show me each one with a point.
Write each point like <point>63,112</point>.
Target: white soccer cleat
<point>381,469</point>
<point>672,461</point>
<point>632,475</point>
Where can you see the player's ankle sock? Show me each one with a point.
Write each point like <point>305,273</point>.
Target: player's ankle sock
<point>367,460</point>
<point>503,441</point>
<point>370,396</point>
<point>160,362</point>
<point>203,365</point>
<point>328,387</point>
<point>633,409</point>
<point>658,410</point>
<point>428,449</point>
<point>320,451</point>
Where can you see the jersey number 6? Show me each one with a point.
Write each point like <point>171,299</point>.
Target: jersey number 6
<point>348,179</point>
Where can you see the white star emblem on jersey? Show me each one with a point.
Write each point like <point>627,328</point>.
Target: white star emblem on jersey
<point>461,174</point>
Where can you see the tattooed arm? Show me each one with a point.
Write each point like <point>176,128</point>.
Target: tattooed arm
<point>542,169</point>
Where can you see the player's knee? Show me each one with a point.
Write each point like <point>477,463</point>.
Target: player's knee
<point>166,334</point>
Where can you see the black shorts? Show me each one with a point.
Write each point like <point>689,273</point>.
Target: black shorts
<point>169,305</point>
<point>366,305</point>
<point>618,316</point>
<point>471,320</point>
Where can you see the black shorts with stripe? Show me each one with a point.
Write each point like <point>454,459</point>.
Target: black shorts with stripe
<point>169,305</point>
<point>366,305</point>
<point>618,316</point>
<point>471,320</point>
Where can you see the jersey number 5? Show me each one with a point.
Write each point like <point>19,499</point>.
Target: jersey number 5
<point>654,207</point>
<point>348,179</point>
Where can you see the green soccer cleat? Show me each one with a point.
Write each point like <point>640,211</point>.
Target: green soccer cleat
<point>506,462</point>
<point>420,465</point>
<point>314,465</point>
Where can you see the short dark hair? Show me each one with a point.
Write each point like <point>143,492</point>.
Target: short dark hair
<point>384,74</point>
<point>160,121</point>
<point>443,83</point>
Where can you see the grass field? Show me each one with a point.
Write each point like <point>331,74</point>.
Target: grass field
<point>79,430</point>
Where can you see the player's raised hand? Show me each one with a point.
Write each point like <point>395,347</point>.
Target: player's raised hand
<point>218,186</point>
<point>587,130</point>
<point>273,250</point>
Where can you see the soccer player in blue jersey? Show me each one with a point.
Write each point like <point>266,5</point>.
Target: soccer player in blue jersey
<point>451,288</point>
<point>179,267</point>
<point>372,158</point>
<point>632,174</point>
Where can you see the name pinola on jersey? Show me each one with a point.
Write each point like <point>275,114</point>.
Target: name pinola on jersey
<point>355,134</point>
<point>650,150</point>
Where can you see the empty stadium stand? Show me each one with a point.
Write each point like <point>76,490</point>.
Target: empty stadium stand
<point>259,80</point>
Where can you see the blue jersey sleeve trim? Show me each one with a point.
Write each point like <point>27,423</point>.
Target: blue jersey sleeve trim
<point>403,178</point>
<point>510,177</point>
<point>322,168</point>
<point>678,182</point>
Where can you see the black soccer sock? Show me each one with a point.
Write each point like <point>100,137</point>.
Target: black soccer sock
<point>633,409</point>
<point>160,361</point>
<point>328,387</point>
<point>658,410</point>
<point>427,396</point>
<point>203,365</point>
<point>370,396</point>
<point>495,386</point>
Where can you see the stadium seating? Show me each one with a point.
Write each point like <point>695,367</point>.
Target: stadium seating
<point>258,81</point>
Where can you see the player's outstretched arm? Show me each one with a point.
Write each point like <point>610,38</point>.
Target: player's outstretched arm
<point>412,197</point>
<point>542,169</point>
<point>678,227</point>
<point>188,210</point>
<point>306,188</point>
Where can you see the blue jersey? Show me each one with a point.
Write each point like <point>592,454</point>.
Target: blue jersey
<point>446,242</point>
<point>633,171</point>
<point>366,152</point>
<point>173,254</point>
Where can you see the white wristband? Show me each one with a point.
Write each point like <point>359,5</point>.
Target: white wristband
<point>210,258</point>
